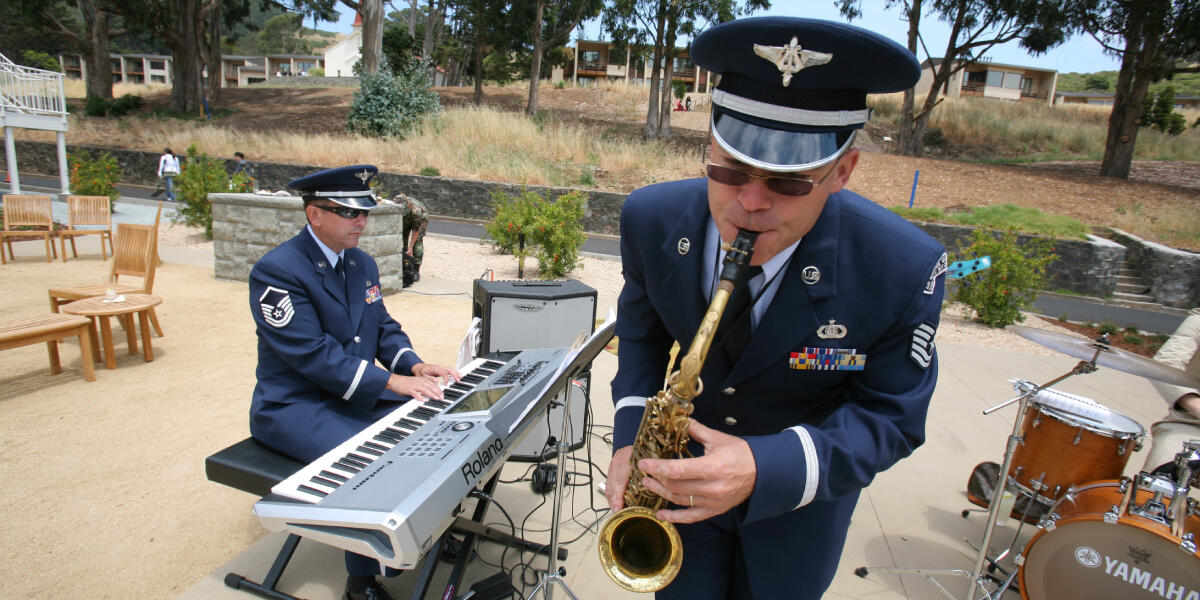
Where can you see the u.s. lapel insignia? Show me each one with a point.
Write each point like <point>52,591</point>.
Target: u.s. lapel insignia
<point>276,305</point>
<point>373,294</point>
<point>832,331</point>
<point>938,269</point>
<point>683,246</point>
<point>321,264</point>
<point>921,350</point>
<point>811,275</point>
<point>351,263</point>
<point>791,59</point>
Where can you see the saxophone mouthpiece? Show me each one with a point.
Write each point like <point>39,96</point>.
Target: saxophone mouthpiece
<point>737,256</point>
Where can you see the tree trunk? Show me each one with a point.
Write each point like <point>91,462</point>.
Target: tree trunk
<point>664,102</point>
<point>906,137</point>
<point>650,131</point>
<point>186,89</point>
<point>535,67</point>
<point>478,68</point>
<point>95,50</point>
<point>372,34</point>
<point>412,17</point>
<point>212,55</point>
<point>1142,43</point>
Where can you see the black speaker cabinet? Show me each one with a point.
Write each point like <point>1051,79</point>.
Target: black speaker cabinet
<point>536,446</point>
<point>521,315</point>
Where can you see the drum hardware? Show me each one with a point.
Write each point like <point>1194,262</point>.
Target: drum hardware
<point>1100,352</point>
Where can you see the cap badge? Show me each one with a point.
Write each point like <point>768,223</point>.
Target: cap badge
<point>683,246</point>
<point>791,58</point>
<point>810,275</point>
<point>832,331</point>
<point>364,175</point>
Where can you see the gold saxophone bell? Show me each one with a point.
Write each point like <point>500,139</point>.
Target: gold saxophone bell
<point>639,551</point>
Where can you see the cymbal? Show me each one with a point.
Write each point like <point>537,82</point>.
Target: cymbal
<point>1109,356</point>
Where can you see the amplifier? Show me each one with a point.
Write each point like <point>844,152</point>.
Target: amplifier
<point>523,315</point>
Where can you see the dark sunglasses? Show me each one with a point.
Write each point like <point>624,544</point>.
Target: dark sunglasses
<point>344,212</point>
<point>780,184</point>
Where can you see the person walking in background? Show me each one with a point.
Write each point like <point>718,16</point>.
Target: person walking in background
<point>416,223</point>
<point>241,166</point>
<point>168,168</point>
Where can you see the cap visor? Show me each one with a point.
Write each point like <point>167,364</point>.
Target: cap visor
<point>750,141</point>
<point>360,202</point>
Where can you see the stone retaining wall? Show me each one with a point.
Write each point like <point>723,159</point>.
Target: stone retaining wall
<point>1083,267</point>
<point>1173,275</point>
<point>444,196</point>
<point>246,226</point>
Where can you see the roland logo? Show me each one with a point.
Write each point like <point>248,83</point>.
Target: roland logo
<point>529,307</point>
<point>472,469</point>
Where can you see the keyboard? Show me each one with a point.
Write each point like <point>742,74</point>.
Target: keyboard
<point>390,491</point>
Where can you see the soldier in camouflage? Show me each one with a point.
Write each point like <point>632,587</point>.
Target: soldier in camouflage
<point>416,222</point>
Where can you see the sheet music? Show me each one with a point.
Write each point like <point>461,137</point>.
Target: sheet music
<point>469,343</point>
<point>610,321</point>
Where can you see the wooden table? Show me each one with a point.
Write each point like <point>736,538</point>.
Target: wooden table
<point>99,311</point>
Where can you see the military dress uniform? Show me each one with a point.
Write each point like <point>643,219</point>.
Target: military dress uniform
<point>835,382</point>
<point>326,344</point>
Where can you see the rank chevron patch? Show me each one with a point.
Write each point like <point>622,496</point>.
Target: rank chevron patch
<point>921,351</point>
<point>276,307</point>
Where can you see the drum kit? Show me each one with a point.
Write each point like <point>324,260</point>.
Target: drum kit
<point>1100,535</point>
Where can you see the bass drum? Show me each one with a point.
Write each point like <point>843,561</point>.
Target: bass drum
<point>1088,550</point>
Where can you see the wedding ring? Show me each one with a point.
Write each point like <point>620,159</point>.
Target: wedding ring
<point>691,500</point>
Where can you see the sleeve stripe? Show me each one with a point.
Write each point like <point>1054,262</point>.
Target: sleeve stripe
<point>362,367</point>
<point>628,401</point>
<point>811,467</point>
<point>392,368</point>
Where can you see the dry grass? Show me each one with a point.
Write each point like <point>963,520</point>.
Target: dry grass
<point>77,89</point>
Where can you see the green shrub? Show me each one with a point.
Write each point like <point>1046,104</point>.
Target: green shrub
<point>1108,328</point>
<point>40,60</point>
<point>201,175</point>
<point>316,72</point>
<point>388,105</point>
<point>1018,272</point>
<point>95,176</point>
<point>430,172</point>
<point>552,230</point>
<point>117,107</point>
<point>1133,338</point>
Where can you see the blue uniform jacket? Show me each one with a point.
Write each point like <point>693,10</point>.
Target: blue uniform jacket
<point>816,435</point>
<point>318,343</point>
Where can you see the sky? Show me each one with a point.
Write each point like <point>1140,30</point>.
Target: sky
<point>1081,54</point>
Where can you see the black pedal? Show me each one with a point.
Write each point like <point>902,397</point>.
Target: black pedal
<point>493,587</point>
<point>451,548</point>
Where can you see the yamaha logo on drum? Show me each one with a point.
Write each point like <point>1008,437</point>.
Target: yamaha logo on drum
<point>472,469</point>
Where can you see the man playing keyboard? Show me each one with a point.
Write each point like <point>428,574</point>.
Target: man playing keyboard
<point>331,360</point>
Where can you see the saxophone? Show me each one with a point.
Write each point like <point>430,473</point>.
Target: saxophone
<point>639,551</point>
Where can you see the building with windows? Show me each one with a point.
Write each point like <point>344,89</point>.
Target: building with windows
<point>236,70</point>
<point>1106,99</point>
<point>596,61</point>
<point>986,79</point>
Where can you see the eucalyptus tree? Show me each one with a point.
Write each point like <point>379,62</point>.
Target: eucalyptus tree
<point>87,27</point>
<point>1154,39</point>
<point>552,23</point>
<point>975,27</point>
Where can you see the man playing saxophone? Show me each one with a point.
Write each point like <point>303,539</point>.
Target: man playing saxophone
<point>821,377</point>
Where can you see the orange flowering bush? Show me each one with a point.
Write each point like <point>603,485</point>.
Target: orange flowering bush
<point>529,224</point>
<point>95,176</point>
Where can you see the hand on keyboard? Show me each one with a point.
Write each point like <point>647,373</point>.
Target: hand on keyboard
<point>442,374</point>
<point>419,387</point>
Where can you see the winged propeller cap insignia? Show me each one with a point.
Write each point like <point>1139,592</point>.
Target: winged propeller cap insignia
<point>791,59</point>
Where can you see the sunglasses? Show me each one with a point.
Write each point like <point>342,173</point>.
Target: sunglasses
<point>780,184</point>
<point>344,212</point>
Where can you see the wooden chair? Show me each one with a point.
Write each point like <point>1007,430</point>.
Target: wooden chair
<point>91,211</point>
<point>25,210</point>
<point>134,255</point>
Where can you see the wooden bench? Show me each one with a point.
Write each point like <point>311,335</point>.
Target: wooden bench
<point>49,328</point>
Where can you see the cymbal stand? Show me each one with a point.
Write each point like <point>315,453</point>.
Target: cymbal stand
<point>978,580</point>
<point>554,574</point>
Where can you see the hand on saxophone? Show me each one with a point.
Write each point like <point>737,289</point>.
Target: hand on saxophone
<point>618,478</point>
<point>708,485</point>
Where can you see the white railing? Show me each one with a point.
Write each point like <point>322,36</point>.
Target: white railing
<point>30,91</point>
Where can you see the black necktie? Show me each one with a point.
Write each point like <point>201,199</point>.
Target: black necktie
<point>735,321</point>
<point>341,271</point>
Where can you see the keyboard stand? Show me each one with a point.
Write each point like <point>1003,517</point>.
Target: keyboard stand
<point>252,467</point>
